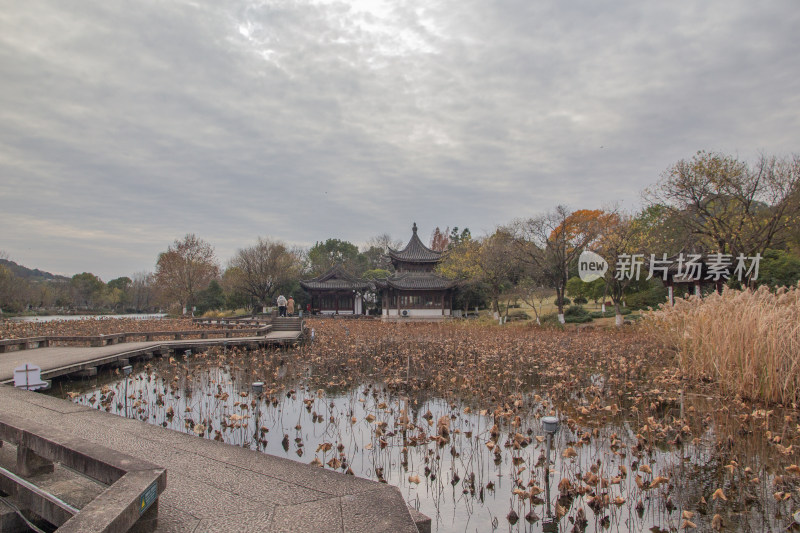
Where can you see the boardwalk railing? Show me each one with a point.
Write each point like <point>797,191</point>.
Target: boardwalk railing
<point>234,321</point>
<point>29,343</point>
<point>134,484</point>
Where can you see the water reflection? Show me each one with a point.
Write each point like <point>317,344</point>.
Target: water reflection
<point>468,469</point>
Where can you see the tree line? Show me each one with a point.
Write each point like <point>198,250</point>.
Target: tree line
<point>709,203</point>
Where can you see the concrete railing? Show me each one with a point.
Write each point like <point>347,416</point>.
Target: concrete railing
<point>29,343</point>
<point>234,321</point>
<point>134,484</point>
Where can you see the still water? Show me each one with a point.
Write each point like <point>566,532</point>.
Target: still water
<point>51,318</point>
<point>467,470</point>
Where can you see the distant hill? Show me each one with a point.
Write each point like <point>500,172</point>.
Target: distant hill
<point>31,275</point>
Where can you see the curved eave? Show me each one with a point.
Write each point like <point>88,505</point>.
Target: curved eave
<point>405,259</point>
<point>418,285</point>
<point>415,252</point>
<point>322,286</point>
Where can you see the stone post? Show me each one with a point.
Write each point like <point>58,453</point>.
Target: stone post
<point>30,463</point>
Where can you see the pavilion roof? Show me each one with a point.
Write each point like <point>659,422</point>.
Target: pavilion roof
<point>415,251</point>
<point>416,281</point>
<point>336,278</point>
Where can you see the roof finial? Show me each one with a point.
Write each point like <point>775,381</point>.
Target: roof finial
<point>414,228</point>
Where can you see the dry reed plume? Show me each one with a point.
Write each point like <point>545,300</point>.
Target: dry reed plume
<point>748,342</point>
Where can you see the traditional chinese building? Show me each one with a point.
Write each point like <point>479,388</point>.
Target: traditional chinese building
<point>336,292</point>
<point>688,274</point>
<point>415,290</point>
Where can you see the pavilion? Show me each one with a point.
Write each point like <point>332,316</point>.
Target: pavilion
<point>336,292</point>
<point>415,290</point>
<point>680,279</point>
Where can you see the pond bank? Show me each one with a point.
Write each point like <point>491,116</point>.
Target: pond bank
<point>217,487</point>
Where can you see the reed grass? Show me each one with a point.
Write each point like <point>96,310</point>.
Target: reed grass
<point>747,342</point>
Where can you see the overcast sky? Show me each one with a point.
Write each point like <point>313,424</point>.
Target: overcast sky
<point>126,125</point>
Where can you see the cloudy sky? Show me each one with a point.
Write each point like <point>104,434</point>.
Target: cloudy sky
<point>126,125</point>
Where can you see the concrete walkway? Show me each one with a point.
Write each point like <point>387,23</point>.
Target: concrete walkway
<point>213,486</point>
<point>59,360</point>
<point>218,487</point>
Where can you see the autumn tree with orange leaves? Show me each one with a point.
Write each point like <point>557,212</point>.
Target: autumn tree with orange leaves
<point>622,235</point>
<point>440,240</point>
<point>548,244</point>
<point>486,261</point>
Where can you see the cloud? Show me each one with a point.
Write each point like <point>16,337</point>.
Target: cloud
<point>324,118</point>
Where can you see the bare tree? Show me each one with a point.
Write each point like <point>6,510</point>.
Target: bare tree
<point>534,294</point>
<point>260,270</point>
<point>622,237</point>
<point>730,205</point>
<point>8,285</point>
<point>548,244</point>
<point>186,268</point>
<point>142,290</point>
<point>383,242</point>
<point>376,248</point>
<point>487,261</point>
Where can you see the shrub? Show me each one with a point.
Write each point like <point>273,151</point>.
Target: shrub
<point>779,268</point>
<point>575,310</point>
<point>550,320</point>
<point>577,319</point>
<point>609,313</point>
<point>748,341</point>
<point>651,297</point>
<point>580,300</point>
<point>576,314</point>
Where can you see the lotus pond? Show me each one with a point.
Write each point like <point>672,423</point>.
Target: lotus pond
<point>451,414</point>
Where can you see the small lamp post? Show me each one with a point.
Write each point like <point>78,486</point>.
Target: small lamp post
<point>258,388</point>
<point>550,427</point>
<point>126,371</point>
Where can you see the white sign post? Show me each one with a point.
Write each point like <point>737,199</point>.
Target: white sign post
<point>29,377</point>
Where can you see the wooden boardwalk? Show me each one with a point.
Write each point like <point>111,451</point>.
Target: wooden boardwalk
<point>60,360</point>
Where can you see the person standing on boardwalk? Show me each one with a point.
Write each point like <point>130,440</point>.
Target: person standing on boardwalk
<point>290,306</point>
<point>281,305</point>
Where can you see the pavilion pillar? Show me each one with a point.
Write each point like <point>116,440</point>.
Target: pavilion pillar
<point>670,294</point>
